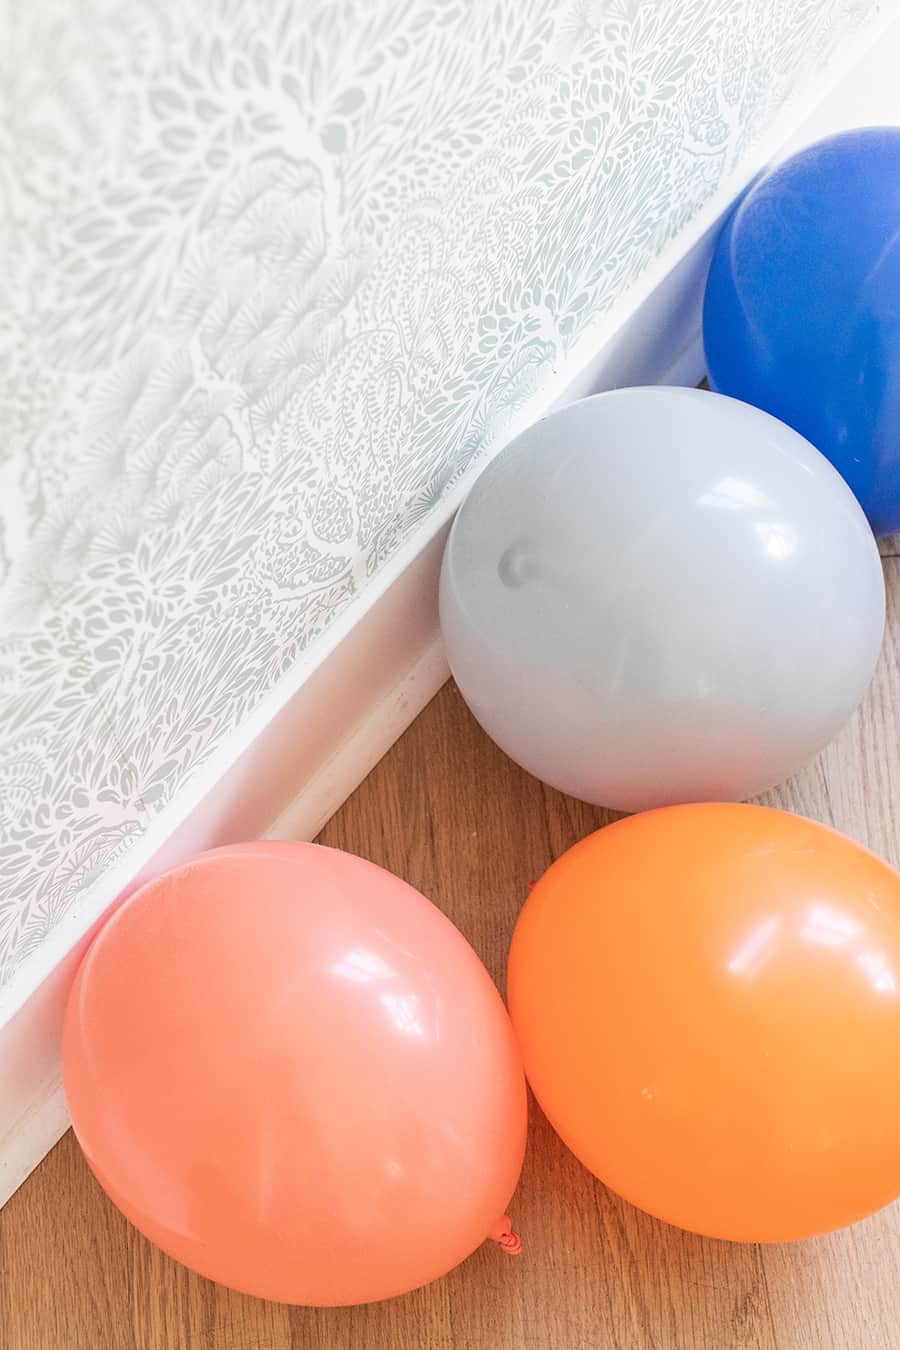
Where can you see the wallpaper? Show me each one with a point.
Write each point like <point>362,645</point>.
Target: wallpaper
<point>274,274</point>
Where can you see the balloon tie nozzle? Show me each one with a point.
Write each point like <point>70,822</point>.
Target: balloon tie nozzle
<point>503,1234</point>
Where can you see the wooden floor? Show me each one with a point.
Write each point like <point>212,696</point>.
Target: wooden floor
<point>449,813</point>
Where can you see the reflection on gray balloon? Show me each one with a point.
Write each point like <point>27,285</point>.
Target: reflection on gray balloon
<point>661,595</point>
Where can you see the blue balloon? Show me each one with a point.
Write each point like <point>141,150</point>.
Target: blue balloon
<point>802,309</point>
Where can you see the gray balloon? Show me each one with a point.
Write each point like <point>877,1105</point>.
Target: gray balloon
<point>661,595</point>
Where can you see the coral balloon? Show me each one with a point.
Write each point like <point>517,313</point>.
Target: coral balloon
<point>708,1002</point>
<point>290,1071</point>
<point>801,315</point>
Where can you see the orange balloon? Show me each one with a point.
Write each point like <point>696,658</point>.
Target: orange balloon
<point>290,1071</point>
<point>708,1003</point>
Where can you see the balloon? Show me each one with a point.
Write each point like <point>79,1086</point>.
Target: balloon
<point>802,307</point>
<point>707,1001</point>
<point>661,595</point>
<point>290,1071</point>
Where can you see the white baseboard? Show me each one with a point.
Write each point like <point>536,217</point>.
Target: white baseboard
<point>32,1138</point>
<point>311,743</point>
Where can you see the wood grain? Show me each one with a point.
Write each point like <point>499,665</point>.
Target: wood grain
<point>452,815</point>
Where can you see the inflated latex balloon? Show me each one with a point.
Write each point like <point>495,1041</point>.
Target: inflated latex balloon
<point>290,1071</point>
<point>708,1004</point>
<point>661,595</point>
<point>802,309</point>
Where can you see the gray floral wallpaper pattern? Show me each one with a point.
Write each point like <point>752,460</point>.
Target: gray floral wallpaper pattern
<point>274,274</point>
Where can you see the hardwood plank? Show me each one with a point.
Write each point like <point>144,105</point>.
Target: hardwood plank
<point>446,810</point>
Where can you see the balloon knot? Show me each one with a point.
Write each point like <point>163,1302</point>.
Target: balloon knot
<point>502,1233</point>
